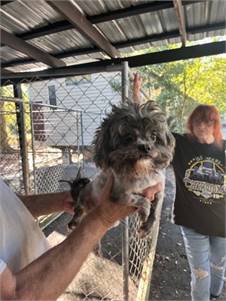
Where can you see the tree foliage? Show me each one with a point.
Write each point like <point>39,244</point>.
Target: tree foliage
<point>5,141</point>
<point>9,137</point>
<point>179,86</point>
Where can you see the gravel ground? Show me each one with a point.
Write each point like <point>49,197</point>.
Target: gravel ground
<point>101,277</point>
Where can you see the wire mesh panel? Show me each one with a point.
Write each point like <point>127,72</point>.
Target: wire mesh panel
<point>60,117</point>
<point>138,248</point>
<point>56,133</point>
<point>10,158</point>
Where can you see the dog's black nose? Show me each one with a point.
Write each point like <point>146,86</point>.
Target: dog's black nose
<point>144,148</point>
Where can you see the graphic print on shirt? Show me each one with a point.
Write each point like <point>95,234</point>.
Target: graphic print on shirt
<point>205,178</point>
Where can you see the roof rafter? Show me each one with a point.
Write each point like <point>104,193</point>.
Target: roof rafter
<point>30,50</point>
<point>84,26</point>
<point>2,3</point>
<point>181,20</point>
<point>109,16</point>
<point>5,72</point>
<point>131,42</point>
<point>213,48</point>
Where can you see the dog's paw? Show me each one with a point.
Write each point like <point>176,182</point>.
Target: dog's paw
<point>142,233</point>
<point>146,227</point>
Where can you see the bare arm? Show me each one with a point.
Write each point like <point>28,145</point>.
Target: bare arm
<point>48,276</point>
<point>42,204</point>
<point>59,265</point>
<point>137,83</point>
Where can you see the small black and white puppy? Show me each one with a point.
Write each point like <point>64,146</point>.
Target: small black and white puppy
<point>135,144</point>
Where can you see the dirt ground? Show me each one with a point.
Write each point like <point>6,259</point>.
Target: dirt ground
<point>171,275</point>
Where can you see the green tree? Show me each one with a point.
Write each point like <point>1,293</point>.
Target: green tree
<point>179,86</point>
<point>9,137</point>
<point>5,141</point>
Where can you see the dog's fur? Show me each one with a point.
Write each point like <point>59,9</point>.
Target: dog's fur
<point>135,144</point>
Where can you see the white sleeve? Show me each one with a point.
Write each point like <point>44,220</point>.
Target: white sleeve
<point>2,265</point>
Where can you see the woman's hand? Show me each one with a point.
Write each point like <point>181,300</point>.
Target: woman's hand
<point>137,84</point>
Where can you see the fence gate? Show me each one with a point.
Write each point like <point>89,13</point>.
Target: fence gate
<point>47,128</point>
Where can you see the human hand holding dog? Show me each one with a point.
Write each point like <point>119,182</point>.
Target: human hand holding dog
<point>110,212</point>
<point>68,204</point>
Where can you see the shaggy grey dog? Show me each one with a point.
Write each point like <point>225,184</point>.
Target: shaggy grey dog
<point>135,144</point>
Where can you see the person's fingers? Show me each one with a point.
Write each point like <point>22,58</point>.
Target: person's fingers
<point>136,76</point>
<point>152,190</point>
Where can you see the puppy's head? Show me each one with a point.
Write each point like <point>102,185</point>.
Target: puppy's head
<point>133,137</point>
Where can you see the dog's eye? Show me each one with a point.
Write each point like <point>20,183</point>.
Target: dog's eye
<point>128,139</point>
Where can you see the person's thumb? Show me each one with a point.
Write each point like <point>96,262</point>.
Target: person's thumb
<point>152,190</point>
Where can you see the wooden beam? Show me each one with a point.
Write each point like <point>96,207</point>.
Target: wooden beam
<point>5,72</point>
<point>166,56</point>
<point>46,30</point>
<point>3,3</point>
<point>132,10</point>
<point>181,20</point>
<point>123,44</point>
<point>30,50</point>
<point>85,27</point>
<point>105,17</point>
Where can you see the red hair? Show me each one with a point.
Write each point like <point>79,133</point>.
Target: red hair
<point>206,113</point>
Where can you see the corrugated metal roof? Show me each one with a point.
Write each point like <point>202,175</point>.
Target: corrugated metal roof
<point>61,41</point>
<point>97,7</point>
<point>22,16</point>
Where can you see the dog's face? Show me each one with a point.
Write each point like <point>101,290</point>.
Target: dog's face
<point>134,137</point>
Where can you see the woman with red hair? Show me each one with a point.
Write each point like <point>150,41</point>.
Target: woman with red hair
<point>200,202</point>
<point>210,116</point>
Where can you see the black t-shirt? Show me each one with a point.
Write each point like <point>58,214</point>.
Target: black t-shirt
<point>200,201</point>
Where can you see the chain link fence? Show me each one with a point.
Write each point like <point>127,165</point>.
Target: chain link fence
<point>47,128</point>
<point>10,157</point>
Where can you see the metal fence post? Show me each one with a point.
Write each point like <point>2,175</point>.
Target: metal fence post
<point>125,236</point>
<point>33,147</point>
<point>82,139</point>
<point>22,136</point>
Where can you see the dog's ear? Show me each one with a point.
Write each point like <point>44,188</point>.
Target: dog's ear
<point>170,139</point>
<point>102,142</point>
